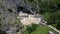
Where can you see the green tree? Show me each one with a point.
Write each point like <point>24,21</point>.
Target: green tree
<point>32,28</point>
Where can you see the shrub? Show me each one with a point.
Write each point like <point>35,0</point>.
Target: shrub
<point>32,28</point>
<point>10,10</point>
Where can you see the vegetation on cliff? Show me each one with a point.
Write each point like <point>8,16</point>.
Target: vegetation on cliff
<point>50,9</point>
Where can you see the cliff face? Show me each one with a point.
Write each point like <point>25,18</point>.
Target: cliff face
<point>8,15</point>
<point>9,11</point>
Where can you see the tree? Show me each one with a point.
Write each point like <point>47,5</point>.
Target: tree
<point>32,28</point>
<point>49,9</point>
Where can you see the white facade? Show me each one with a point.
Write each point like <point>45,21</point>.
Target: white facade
<point>27,19</point>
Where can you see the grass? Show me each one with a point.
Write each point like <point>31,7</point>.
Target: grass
<point>41,30</point>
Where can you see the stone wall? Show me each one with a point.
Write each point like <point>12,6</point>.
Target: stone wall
<point>27,19</point>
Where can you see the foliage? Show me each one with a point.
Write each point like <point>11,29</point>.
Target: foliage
<point>1,21</point>
<point>49,9</point>
<point>58,26</point>
<point>40,30</point>
<point>2,32</point>
<point>32,28</point>
<point>10,10</point>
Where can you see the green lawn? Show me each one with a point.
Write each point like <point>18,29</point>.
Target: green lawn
<point>40,30</point>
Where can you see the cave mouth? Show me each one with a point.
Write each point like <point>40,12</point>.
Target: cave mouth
<point>24,10</point>
<point>19,8</point>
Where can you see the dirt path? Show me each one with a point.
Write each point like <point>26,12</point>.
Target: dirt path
<point>51,27</point>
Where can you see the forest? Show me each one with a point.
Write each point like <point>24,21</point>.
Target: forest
<point>50,9</point>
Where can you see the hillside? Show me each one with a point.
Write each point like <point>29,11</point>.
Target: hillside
<point>18,16</point>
